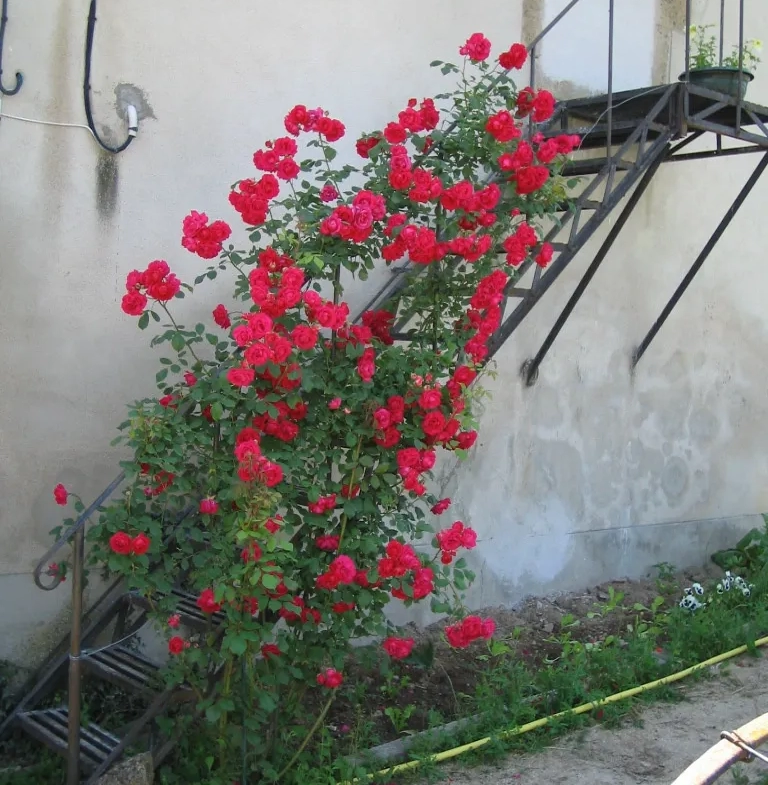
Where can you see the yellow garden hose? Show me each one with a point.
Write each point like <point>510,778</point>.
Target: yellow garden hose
<point>585,707</point>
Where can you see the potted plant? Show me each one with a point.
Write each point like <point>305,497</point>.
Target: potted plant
<point>704,68</point>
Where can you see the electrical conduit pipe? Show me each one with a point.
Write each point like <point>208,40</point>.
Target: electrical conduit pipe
<point>583,709</point>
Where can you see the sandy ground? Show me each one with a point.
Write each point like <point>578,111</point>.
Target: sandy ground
<point>662,742</point>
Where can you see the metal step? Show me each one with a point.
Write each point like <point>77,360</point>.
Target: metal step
<point>566,207</point>
<point>125,668</point>
<point>186,607</point>
<point>50,726</point>
<point>591,166</point>
<point>595,137</point>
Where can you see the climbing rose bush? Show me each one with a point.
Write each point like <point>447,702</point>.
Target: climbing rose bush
<point>281,475</point>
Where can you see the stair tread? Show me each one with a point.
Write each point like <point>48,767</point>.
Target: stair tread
<point>124,666</point>
<point>588,204</point>
<point>591,166</point>
<point>51,727</point>
<point>187,608</point>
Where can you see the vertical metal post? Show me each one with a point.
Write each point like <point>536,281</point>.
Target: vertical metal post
<point>609,130</point>
<point>739,99</point>
<point>686,95</point>
<point>533,87</point>
<point>73,756</point>
<point>722,28</point>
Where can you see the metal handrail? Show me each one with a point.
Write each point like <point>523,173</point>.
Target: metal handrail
<point>66,536</point>
<point>553,23</point>
<point>76,535</point>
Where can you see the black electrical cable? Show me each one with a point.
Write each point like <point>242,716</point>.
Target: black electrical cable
<point>87,85</point>
<point>19,77</point>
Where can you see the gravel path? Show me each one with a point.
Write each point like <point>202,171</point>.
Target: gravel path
<point>667,739</point>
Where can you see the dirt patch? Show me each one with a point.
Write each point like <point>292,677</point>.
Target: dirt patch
<point>534,632</point>
<point>654,749</point>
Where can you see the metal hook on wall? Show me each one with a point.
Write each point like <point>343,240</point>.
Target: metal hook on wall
<point>132,120</point>
<point>19,77</point>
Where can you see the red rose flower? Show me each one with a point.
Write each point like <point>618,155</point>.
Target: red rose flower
<point>207,602</point>
<point>394,133</point>
<point>140,544</point>
<point>120,543</point>
<point>544,256</point>
<point>176,645</point>
<point>441,506</point>
<point>430,399</point>
<point>134,303</point>
<point>515,57</point>
<point>240,377</point>
<point>330,678</point>
<point>530,178</point>
<point>270,650</point>
<point>203,239</point>
<point>398,648</point>
<point>433,423</point>
<point>328,193</point>
<point>327,542</point>
<point>476,48</point>
<point>365,145</point>
<point>60,494</point>
<point>209,506</point>
<point>288,169</point>
<point>304,338</point>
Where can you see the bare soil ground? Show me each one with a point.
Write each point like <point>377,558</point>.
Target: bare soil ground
<point>529,629</point>
<point>654,748</point>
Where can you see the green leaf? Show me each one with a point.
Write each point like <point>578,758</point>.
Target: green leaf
<point>144,320</point>
<point>217,411</point>
<point>269,581</point>
<point>497,648</point>
<point>178,342</point>
<point>237,645</point>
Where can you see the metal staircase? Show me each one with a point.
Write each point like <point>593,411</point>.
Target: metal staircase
<point>625,138</point>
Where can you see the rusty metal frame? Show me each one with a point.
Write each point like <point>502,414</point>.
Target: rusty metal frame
<point>720,757</point>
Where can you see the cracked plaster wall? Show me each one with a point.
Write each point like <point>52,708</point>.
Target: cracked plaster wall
<point>589,474</point>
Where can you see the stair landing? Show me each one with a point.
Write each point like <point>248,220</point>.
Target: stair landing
<point>691,108</point>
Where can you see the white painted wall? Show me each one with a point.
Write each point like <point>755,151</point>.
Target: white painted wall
<point>585,469</point>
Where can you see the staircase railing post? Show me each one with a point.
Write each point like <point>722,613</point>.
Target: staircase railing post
<point>609,119</point>
<point>739,96</point>
<point>75,651</point>
<point>722,30</point>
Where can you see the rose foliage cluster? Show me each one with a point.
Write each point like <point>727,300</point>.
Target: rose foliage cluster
<point>281,475</point>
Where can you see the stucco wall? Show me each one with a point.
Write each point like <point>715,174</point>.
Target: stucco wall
<point>589,474</point>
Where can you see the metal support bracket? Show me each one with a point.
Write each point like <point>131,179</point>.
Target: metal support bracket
<point>530,368</point>
<point>700,259</point>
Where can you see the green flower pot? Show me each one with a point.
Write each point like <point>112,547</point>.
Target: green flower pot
<point>720,79</point>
